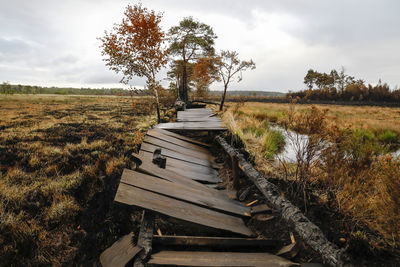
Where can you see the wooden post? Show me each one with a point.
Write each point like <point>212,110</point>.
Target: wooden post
<point>235,172</point>
<point>145,238</point>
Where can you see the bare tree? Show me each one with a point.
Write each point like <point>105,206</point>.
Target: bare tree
<point>230,65</point>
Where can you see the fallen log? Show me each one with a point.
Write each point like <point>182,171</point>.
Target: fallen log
<point>307,230</point>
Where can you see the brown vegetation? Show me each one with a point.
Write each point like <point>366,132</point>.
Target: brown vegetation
<point>343,178</point>
<point>60,160</point>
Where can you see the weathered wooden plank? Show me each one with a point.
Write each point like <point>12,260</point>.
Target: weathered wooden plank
<point>197,110</point>
<point>183,150</point>
<point>183,192</point>
<point>195,116</point>
<point>201,177</point>
<point>187,166</point>
<point>134,196</point>
<point>198,119</point>
<point>182,137</point>
<point>174,177</point>
<point>177,178</point>
<point>120,253</point>
<point>176,141</point>
<point>215,242</point>
<point>192,126</point>
<point>200,258</point>
<point>176,155</point>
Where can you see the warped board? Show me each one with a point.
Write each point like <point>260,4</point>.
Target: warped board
<point>182,137</point>
<point>154,170</point>
<point>198,110</point>
<point>207,178</point>
<point>220,242</point>
<point>134,196</point>
<point>187,166</point>
<point>192,126</point>
<point>120,253</point>
<point>183,150</point>
<point>175,141</point>
<point>198,119</point>
<point>200,258</point>
<point>183,192</point>
<point>176,155</point>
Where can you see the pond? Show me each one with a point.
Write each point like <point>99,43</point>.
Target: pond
<point>297,142</point>
<point>293,142</point>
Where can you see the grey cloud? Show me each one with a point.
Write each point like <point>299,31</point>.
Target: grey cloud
<point>47,40</point>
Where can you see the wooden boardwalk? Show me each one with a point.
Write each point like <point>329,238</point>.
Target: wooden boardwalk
<point>181,190</point>
<point>197,119</point>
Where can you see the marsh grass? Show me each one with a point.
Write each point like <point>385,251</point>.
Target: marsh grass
<point>57,153</point>
<point>259,139</point>
<point>382,122</point>
<point>344,167</point>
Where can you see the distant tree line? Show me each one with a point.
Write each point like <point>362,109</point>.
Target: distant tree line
<point>7,88</point>
<point>338,86</point>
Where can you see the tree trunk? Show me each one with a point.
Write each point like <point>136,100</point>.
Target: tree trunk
<point>157,105</point>
<point>184,83</point>
<point>223,98</point>
<point>153,87</point>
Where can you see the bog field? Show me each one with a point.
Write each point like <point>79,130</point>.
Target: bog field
<point>60,160</point>
<point>345,170</point>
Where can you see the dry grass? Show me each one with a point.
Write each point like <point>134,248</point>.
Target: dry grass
<point>352,175</point>
<point>258,139</point>
<point>57,153</point>
<point>375,119</point>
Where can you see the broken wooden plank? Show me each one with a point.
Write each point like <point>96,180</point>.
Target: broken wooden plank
<point>145,238</point>
<point>182,137</point>
<point>120,253</point>
<point>176,155</point>
<point>192,126</point>
<point>205,178</point>
<point>182,170</point>
<point>169,175</point>
<point>176,141</point>
<point>178,191</point>
<point>199,119</point>
<point>215,242</point>
<point>200,258</point>
<point>134,196</point>
<point>183,150</point>
<point>175,163</point>
<point>232,194</point>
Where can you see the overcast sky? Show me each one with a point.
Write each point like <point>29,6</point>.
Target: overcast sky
<point>49,42</point>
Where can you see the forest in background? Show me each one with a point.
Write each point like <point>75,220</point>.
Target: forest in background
<point>333,86</point>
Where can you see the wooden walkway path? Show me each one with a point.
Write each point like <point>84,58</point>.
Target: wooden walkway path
<point>197,119</point>
<point>178,189</point>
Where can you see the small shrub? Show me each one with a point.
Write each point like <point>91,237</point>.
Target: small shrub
<point>258,132</point>
<point>388,137</point>
<point>273,143</point>
<point>364,134</point>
